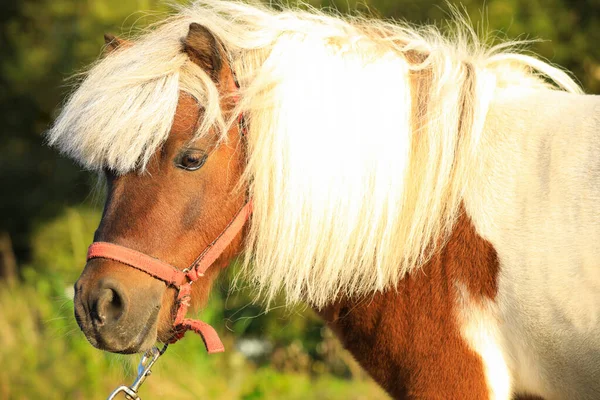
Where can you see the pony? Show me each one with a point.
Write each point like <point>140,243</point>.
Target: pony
<point>436,200</point>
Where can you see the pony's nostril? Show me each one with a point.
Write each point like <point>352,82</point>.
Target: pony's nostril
<point>108,307</point>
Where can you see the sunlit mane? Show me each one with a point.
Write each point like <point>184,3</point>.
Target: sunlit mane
<point>361,133</point>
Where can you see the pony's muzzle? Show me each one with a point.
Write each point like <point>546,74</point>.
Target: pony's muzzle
<point>113,314</point>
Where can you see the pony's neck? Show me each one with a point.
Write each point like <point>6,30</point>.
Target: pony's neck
<point>408,338</point>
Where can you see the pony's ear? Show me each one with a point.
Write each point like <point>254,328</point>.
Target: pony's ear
<point>113,43</point>
<point>203,48</point>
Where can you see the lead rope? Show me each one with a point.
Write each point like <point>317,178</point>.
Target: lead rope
<point>143,371</point>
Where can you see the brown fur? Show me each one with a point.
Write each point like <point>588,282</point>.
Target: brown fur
<point>161,224</point>
<point>408,339</point>
<point>167,213</point>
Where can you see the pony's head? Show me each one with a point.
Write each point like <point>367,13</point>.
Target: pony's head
<point>184,197</point>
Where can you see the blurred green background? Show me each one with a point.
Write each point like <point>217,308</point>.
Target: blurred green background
<point>48,214</point>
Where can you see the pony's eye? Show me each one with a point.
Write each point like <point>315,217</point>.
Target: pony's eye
<point>190,160</point>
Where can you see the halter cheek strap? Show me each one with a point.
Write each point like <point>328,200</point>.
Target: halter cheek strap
<point>180,279</point>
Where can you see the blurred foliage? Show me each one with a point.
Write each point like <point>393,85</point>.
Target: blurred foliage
<point>43,353</point>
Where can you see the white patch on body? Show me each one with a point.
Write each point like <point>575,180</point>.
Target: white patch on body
<point>480,329</point>
<point>536,199</point>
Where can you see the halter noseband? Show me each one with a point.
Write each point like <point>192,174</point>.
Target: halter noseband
<point>182,279</point>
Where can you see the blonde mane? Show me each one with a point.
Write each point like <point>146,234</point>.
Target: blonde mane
<point>362,133</point>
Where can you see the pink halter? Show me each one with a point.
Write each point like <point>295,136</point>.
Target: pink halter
<point>180,279</point>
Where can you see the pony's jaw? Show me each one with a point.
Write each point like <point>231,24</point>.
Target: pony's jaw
<point>113,314</point>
